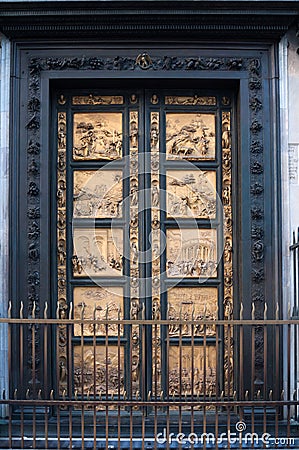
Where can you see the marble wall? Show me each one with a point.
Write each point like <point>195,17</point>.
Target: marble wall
<point>289,133</point>
<point>4,206</point>
<point>293,127</point>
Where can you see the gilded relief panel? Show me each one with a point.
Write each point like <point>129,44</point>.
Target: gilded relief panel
<point>192,369</point>
<point>97,252</point>
<point>98,303</point>
<point>98,194</point>
<point>135,306</point>
<point>191,194</point>
<point>101,369</point>
<point>191,252</point>
<point>192,303</point>
<point>190,100</point>
<point>97,135</point>
<point>190,136</point>
<point>61,233</point>
<point>156,246</point>
<point>98,100</point>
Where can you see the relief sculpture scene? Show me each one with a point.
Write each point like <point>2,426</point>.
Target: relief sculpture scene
<point>190,136</point>
<point>101,370</point>
<point>191,252</point>
<point>97,136</point>
<point>98,193</point>
<point>191,193</point>
<point>192,371</point>
<point>192,303</point>
<point>98,303</point>
<point>97,252</point>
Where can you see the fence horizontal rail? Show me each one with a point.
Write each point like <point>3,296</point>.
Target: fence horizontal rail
<point>225,403</point>
<point>236,322</point>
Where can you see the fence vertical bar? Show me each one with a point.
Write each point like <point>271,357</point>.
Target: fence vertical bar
<point>33,331</point>
<point>94,344</point>
<point>9,371</point>
<point>106,380</point>
<point>21,372</point>
<point>119,378</point>
<point>45,334</point>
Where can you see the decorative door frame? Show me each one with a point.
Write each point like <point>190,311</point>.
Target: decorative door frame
<point>249,69</point>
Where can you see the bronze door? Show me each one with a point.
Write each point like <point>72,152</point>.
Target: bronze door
<point>144,235</point>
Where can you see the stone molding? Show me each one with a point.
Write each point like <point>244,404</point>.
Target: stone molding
<point>148,18</point>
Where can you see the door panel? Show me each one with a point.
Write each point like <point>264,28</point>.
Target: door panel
<point>144,232</point>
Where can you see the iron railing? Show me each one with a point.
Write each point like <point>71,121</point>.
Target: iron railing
<point>47,408</point>
<point>234,383</point>
<point>295,257</point>
<point>295,311</point>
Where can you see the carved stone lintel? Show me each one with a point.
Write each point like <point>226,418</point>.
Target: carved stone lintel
<point>142,61</point>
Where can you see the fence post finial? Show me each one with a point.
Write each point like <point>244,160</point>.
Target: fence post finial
<point>277,311</point>
<point>265,311</point>
<point>21,310</point>
<point>241,311</point>
<point>46,310</point>
<point>9,310</point>
<point>253,311</point>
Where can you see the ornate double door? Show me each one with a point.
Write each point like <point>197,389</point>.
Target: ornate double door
<point>144,242</point>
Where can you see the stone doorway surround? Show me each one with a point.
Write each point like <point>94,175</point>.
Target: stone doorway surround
<point>229,42</point>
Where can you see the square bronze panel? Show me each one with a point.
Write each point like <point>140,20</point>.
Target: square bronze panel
<point>192,303</point>
<point>193,365</point>
<point>190,136</point>
<point>101,368</point>
<point>98,303</point>
<point>98,193</point>
<point>97,135</point>
<point>191,252</point>
<point>97,252</point>
<point>191,193</point>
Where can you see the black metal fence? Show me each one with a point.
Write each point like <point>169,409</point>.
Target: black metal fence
<point>195,413</point>
<point>85,382</point>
